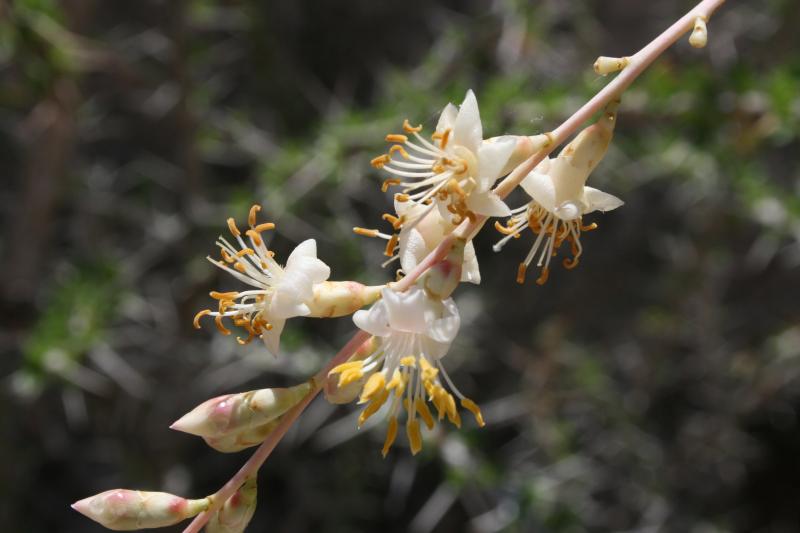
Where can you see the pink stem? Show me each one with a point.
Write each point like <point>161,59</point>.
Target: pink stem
<point>637,64</point>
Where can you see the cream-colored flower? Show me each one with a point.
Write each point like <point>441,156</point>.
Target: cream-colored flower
<point>560,198</point>
<point>414,332</point>
<point>279,292</point>
<point>455,170</point>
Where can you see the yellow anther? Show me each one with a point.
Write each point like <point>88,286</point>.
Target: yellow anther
<point>198,316</point>
<point>389,183</point>
<point>248,340</point>
<point>391,434</point>
<point>523,268</point>
<point>396,138</point>
<point>226,256</point>
<point>452,412</point>
<point>254,236</point>
<point>350,376</point>
<point>409,361</point>
<point>364,232</point>
<point>240,267</point>
<point>232,227</point>
<point>445,138</point>
<point>266,226</point>
<point>222,329</point>
<point>429,373</point>
<point>542,279</point>
<point>390,246</point>
<point>373,407</point>
<point>245,251</point>
<point>398,148</point>
<point>338,369</point>
<point>373,386</point>
<point>398,383</point>
<point>424,412</point>
<point>590,227</point>
<point>251,217</point>
<point>472,407</point>
<point>414,436</point>
<point>223,295</point>
<point>380,161</point>
<point>408,128</point>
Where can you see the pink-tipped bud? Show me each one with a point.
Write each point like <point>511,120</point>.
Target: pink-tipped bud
<point>235,413</point>
<point>341,395</point>
<point>237,511</point>
<point>341,298</point>
<point>240,440</point>
<point>442,278</point>
<point>126,510</point>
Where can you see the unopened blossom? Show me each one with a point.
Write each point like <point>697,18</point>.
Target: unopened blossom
<point>413,333</point>
<point>234,413</point>
<point>237,511</point>
<point>560,198</point>
<point>453,171</point>
<point>128,510</point>
<point>278,292</point>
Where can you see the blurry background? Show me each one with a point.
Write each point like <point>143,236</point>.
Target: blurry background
<point>654,388</point>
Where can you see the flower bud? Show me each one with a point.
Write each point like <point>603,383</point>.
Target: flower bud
<point>340,298</point>
<point>237,441</point>
<point>442,278</point>
<point>237,511</point>
<point>699,36</point>
<point>606,65</point>
<point>234,413</point>
<point>126,510</point>
<point>349,392</point>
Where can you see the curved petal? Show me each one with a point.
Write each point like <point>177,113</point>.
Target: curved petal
<point>307,248</point>
<point>433,349</point>
<point>487,203</point>
<point>492,157</point>
<point>597,200</point>
<point>406,309</point>
<point>285,304</point>
<point>467,129</point>
<point>447,118</point>
<point>412,249</point>
<point>445,328</point>
<point>470,271</point>
<point>540,188</point>
<point>374,320</point>
<point>304,259</point>
<point>272,338</point>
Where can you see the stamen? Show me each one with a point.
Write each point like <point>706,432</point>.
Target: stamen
<point>521,273</point>
<point>222,329</point>
<point>590,227</point>
<point>389,183</point>
<point>373,407</point>
<point>542,279</point>
<point>391,434</point>
<point>396,138</point>
<point>245,251</point>
<point>223,295</point>
<point>390,246</point>
<point>398,148</point>
<point>375,384</point>
<point>396,222</point>
<point>253,234</point>
<point>471,406</point>
<point>251,217</point>
<point>380,161</point>
<point>364,232</point>
<point>400,197</point>
<point>424,412</point>
<point>266,226</point>
<point>445,138</point>
<point>408,128</point>
<point>414,436</point>
<point>198,316</point>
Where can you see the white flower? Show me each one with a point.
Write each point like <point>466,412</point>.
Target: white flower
<point>414,332</point>
<point>279,292</point>
<point>455,170</point>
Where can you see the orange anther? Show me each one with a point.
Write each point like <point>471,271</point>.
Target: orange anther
<point>590,227</point>
<point>401,197</point>
<point>198,316</point>
<point>251,217</point>
<point>380,161</point>
<point>245,251</point>
<point>408,128</point>
<point>222,329</point>
<point>364,232</point>
<point>396,222</point>
<point>396,138</point>
<point>223,295</point>
<point>570,264</point>
<point>445,138</point>
<point>232,227</point>
<point>240,267</point>
<point>398,148</point>
<point>266,226</point>
<point>254,236</point>
<point>390,246</point>
<point>389,183</point>
<point>541,280</point>
<point>226,256</point>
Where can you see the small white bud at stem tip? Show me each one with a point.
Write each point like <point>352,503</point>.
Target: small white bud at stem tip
<point>128,510</point>
<point>237,511</point>
<point>606,65</point>
<point>699,36</point>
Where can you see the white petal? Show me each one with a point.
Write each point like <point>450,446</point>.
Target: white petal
<point>445,328</point>
<point>285,304</point>
<point>433,349</point>
<point>540,188</point>
<point>447,118</point>
<point>412,249</point>
<point>487,203</point>
<point>467,129</point>
<point>470,271</point>
<point>374,320</point>
<point>272,338</point>
<point>406,309</point>
<point>598,200</point>
<point>304,259</point>
<point>492,157</point>
<point>307,248</point>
